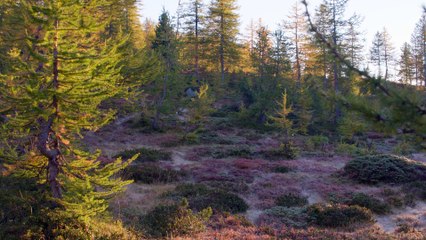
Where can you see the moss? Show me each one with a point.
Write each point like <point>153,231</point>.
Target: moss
<point>175,220</point>
<point>337,215</point>
<point>385,169</point>
<point>145,155</point>
<point>291,200</point>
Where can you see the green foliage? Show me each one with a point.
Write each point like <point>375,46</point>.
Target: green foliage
<point>350,125</point>
<point>317,142</point>
<point>281,169</point>
<point>27,212</point>
<point>151,173</point>
<point>175,220</point>
<point>404,148</point>
<point>281,119</point>
<point>286,151</point>
<point>145,155</point>
<point>201,197</point>
<point>291,200</point>
<point>369,202</point>
<point>352,150</point>
<point>385,169</point>
<point>290,216</point>
<point>240,151</point>
<point>68,63</point>
<point>417,189</point>
<point>337,215</point>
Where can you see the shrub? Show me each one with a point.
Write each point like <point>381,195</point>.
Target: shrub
<point>291,200</point>
<point>403,148</point>
<point>175,220</point>
<point>290,216</point>
<point>229,186</point>
<point>337,215</point>
<point>385,168</point>
<point>191,138</point>
<point>417,189</point>
<point>374,204</point>
<point>241,151</point>
<point>200,197</point>
<point>281,169</point>
<point>285,151</point>
<point>145,155</point>
<point>151,173</point>
<point>317,142</point>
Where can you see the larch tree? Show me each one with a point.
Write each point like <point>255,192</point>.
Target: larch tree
<point>193,24</point>
<point>418,42</point>
<point>388,52</point>
<point>223,30</point>
<point>376,53</point>
<point>61,74</point>
<point>297,28</point>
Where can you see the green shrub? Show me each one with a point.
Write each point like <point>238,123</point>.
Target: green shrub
<point>241,151</point>
<point>317,142</point>
<point>285,151</point>
<point>385,168</point>
<point>364,200</point>
<point>291,200</point>
<point>290,216</point>
<point>175,220</point>
<point>229,186</point>
<point>200,197</point>
<point>191,138</point>
<point>145,155</point>
<point>151,173</point>
<point>351,150</point>
<point>336,215</point>
<point>417,189</point>
<point>404,148</point>
<point>281,169</point>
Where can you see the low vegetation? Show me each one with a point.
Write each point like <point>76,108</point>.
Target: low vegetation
<point>175,220</point>
<point>337,215</point>
<point>374,169</point>
<point>200,197</point>
<point>145,155</point>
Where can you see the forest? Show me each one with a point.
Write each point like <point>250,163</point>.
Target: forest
<point>187,127</point>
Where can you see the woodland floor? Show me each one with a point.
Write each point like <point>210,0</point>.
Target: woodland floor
<point>314,174</point>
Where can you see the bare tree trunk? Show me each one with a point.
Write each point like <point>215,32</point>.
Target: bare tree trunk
<point>197,67</point>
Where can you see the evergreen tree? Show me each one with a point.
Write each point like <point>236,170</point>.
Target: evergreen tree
<point>165,45</point>
<point>406,65</point>
<point>418,42</point>
<point>193,26</point>
<point>223,31</point>
<point>61,74</point>
<point>376,53</point>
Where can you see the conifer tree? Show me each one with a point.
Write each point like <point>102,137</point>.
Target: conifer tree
<point>223,29</point>
<point>376,53</point>
<point>407,65</point>
<point>165,45</point>
<point>61,74</point>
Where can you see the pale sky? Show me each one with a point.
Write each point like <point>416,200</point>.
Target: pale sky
<point>398,16</point>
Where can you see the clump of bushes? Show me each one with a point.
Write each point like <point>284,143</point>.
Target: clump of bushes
<point>385,169</point>
<point>241,151</point>
<point>337,215</point>
<point>291,200</point>
<point>175,220</point>
<point>229,186</point>
<point>290,216</point>
<point>285,151</point>
<point>201,196</point>
<point>281,169</point>
<point>151,173</point>
<point>145,155</point>
<point>371,203</point>
<point>351,150</point>
<point>417,189</point>
<point>318,142</point>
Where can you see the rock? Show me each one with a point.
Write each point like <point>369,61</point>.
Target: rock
<point>192,92</point>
